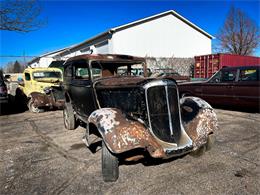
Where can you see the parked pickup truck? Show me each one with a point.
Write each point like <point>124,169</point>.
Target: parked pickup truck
<point>230,86</point>
<point>42,87</point>
<point>132,115</point>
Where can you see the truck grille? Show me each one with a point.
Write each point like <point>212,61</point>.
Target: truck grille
<point>163,111</point>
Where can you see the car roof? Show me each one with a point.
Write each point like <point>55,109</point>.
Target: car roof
<point>240,67</point>
<point>41,69</point>
<point>108,58</point>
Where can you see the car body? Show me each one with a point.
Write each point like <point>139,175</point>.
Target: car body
<point>230,86</point>
<point>132,115</point>
<point>168,73</point>
<point>42,87</point>
<point>3,90</point>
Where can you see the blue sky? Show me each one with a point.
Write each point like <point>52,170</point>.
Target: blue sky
<point>71,22</point>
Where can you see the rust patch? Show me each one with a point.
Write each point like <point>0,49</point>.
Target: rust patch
<point>120,81</point>
<point>203,123</point>
<point>41,100</point>
<point>122,134</point>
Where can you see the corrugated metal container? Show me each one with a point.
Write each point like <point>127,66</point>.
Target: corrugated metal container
<point>207,65</point>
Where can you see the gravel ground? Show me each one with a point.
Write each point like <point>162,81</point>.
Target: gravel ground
<point>38,156</point>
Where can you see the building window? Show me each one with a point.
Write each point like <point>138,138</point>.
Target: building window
<point>101,44</point>
<point>85,50</point>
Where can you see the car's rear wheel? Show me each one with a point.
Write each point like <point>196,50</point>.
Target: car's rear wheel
<point>110,168</point>
<point>69,117</point>
<point>33,108</point>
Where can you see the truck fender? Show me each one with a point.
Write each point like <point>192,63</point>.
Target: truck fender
<point>39,99</point>
<point>121,134</point>
<point>199,120</point>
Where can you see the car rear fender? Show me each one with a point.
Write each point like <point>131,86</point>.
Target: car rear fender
<point>121,134</point>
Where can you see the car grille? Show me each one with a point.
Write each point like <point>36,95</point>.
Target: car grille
<point>163,111</point>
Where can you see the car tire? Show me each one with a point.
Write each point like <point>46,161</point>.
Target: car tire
<point>110,167</point>
<point>32,108</point>
<point>69,117</point>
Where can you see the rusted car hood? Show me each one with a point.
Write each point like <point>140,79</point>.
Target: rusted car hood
<point>48,80</point>
<point>121,81</point>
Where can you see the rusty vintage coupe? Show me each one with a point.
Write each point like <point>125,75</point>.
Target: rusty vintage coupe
<point>132,115</point>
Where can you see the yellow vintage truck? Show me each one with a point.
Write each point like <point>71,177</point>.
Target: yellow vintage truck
<point>42,87</point>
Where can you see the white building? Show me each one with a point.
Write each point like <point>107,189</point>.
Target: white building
<point>167,34</point>
<point>46,59</point>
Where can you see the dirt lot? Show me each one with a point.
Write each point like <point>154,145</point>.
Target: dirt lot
<point>38,156</point>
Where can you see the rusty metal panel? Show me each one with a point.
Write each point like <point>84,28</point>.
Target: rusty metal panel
<point>202,120</point>
<point>121,134</point>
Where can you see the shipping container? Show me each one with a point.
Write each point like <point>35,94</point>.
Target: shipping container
<point>207,65</point>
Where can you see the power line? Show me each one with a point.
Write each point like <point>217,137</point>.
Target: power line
<point>15,56</point>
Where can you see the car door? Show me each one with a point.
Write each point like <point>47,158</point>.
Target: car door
<point>81,89</point>
<point>27,85</point>
<point>219,89</point>
<point>246,89</point>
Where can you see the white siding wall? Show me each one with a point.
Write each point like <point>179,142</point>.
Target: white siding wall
<point>43,62</point>
<point>163,37</point>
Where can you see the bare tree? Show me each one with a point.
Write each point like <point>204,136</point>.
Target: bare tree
<point>20,15</point>
<point>239,34</point>
<point>14,67</point>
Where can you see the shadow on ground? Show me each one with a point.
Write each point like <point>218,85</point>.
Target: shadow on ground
<point>16,104</point>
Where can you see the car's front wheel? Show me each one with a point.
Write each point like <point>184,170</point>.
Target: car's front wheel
<point>69,117</point>
<point>110,168</point>
<point>33,108</point>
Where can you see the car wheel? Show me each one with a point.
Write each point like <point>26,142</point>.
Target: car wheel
<point>69,117</point>
<point>32,108</point>
<point>110,169</point>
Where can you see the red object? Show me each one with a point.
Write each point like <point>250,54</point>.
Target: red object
<point>207,65</point>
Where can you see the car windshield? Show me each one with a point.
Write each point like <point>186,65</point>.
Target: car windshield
<point>106,69</point>
<point>47,74</point>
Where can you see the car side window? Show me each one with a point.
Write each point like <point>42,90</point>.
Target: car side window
<point>81,73</point>
<point>228,75</point>
<point>80,70</point>
<point>249,74</point>
<point>96,73</point>
<point>27,76</point>
<point>216,78</point>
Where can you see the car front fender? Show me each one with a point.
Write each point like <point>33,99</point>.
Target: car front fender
<point>40,99</point>
<point>199,120</point>
<point>121,134</point>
